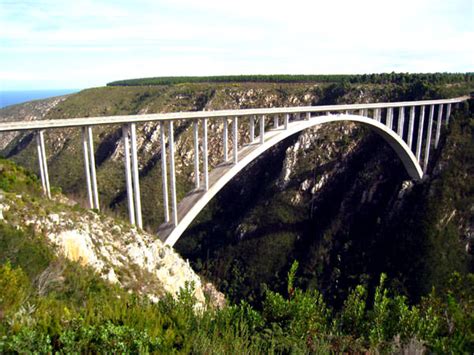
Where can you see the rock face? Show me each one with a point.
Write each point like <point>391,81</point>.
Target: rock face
<point>117,252</point>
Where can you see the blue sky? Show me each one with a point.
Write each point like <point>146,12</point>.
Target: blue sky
<point>48,44</point>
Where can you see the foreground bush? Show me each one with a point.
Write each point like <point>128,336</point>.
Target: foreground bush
<point>82,313</point>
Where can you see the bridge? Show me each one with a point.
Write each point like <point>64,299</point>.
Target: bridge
<point>410,128</point>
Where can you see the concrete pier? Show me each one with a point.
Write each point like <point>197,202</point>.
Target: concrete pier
<point>205,155</point>
<point>164,173</point>
<point>428,139</point>
<point>448,114</point>
<point>85,150</point>
<point>196,155</point>
<point>235,138</point>
<point>174,203</point>
<point>411,124</point>
<point>128,174</point>
<point>95,192</point>
<point>389,118</point>
<point>419,140</point>
<point>438,125</point>
<point>225,139</point>
<point>41,164</point>
<point>44,161</point>
<point>135,176</point>
<point>377,114</point>
<point>401,121</point>
<point>252,129</point>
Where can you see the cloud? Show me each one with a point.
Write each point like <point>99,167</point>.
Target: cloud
<point>109,40</point>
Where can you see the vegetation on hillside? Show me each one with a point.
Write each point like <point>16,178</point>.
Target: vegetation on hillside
<point>383,78</point>
<point>48,304</point>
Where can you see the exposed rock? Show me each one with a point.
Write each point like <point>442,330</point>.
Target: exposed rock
<point>407,185</point>
<point>119,253</point>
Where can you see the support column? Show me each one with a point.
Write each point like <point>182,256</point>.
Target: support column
<point>389,119</point>
<point>428,139</point>
<point>196,155</point>
<point>235,138</point>
<point>86,167</point>
<point>366,112</point>
<point>40,163</point>
<point>420,133</point>
<point>411,124</point>
<point>276,122</point>
<point>377,114</point>
<point>45,164</point>
<point>287,120</point>
<point>252,129</point>
<point>401,121</point>
<point>135,176</point>
<point>438,124</point>
<point>164,173</point>
<point>262,129</point>
<point>174,204</point>
<point>308,116</point>
<point>128,174</point>
<point>361,112</point>
<point>95,192</point>
<point>225,138</point>
<point>448,113</point>
<point>205,154</point>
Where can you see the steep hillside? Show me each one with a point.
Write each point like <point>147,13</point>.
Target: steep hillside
<point>58,229</point>
<point>314,193</point>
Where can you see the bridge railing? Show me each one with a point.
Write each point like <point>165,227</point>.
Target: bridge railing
<point>407,119</point>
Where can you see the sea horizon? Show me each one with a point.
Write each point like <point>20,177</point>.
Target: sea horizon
<point>14,97</point>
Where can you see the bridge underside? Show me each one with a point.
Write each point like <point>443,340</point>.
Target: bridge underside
<point>196,200</point>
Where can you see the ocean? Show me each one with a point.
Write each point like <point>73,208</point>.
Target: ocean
<point>8,98</point>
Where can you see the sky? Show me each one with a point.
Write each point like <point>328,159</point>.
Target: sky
<point>58,44</point>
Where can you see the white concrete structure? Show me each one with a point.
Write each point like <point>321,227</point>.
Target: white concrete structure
<point>183,213</point>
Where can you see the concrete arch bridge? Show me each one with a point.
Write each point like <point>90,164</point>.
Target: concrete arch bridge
<point>412,129</point>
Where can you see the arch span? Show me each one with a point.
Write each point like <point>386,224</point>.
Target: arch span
<point>195,201</point>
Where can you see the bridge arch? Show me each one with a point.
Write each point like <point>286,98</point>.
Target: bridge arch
<point>193,203</point>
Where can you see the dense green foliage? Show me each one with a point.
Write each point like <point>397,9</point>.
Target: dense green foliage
<point>383,78</point>
<point>63,307</point>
